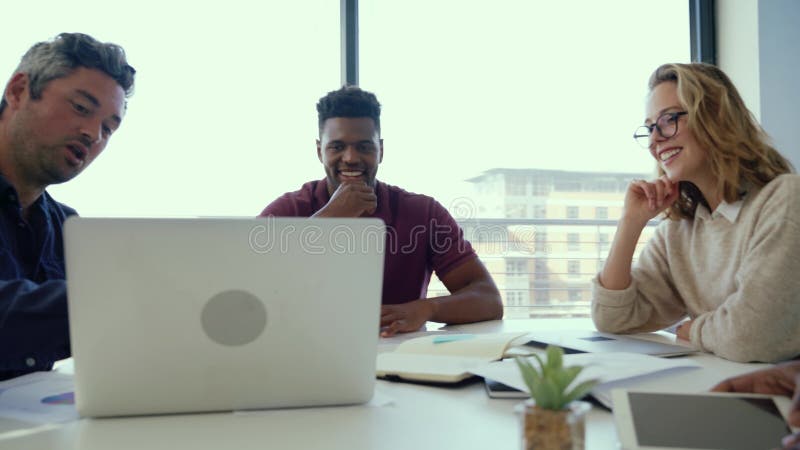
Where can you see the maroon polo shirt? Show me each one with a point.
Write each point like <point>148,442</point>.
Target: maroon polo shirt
<point>421,236</point>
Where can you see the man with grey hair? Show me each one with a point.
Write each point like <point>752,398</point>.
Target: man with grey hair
<point>59,109</point>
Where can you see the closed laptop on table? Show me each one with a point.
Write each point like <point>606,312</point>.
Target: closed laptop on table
<point>185,315</point>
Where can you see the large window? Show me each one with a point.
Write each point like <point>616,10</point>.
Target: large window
<point>472,86</point>
<point>523,110</point>
<point>223,119</point>
<point>514,110</point>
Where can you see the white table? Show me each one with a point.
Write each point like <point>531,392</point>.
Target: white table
<point>418,417</point>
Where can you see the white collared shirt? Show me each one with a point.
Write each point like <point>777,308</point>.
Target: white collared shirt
<point>727,210</point>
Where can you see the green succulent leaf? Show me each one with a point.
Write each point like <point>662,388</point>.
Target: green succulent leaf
<point>542,365</point>
<point>529,373</point>
<point>580,391</point>
<point>570,374</point>
<point>552,394</point>
<point>555,360</point>
<point>549,383</point>
<point>541,395</point>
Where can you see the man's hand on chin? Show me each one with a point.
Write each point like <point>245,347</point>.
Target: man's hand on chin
<point>350,199</point>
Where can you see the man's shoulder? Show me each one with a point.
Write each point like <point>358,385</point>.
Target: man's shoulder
<point>406,197</point>
<point>419,208</point>
<point>55,207</point>
<point>295,203</point>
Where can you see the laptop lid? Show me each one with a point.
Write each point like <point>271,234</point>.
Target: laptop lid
<point>576,341</point>
<point>184,315</point>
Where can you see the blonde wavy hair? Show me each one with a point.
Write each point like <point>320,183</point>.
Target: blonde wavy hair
<point>738,149</point>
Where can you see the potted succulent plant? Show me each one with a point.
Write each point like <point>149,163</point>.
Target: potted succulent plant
<point>553,418</point>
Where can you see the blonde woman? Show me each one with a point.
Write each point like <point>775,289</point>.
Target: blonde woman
<point>728,255</point>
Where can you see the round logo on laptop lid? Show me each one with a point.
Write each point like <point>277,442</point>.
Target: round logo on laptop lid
<point>234,318</point>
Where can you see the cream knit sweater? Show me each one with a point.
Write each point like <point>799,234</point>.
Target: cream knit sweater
<point>739,280</point>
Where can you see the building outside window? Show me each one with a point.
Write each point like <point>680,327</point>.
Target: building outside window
<point>574,268</point>
<point>573,242</point>
<point>572,212</point>
<point>516,211</point>
<point>541,272</point>
<point>540,240</point>
<point>516,186</point>
<point>516,268</point>
<point>541,188</point>
<point>511,298</point>
<point>602,242</point>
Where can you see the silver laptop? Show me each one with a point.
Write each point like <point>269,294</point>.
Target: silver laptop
<point>582,341</point>
<point>189,315</point>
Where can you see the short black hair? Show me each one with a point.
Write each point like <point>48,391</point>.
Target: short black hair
<point>349,101</point>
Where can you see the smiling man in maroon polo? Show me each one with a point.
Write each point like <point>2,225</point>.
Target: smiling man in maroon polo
<point>422,237</point>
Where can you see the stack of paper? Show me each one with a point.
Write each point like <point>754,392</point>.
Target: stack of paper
<point>612,370</point>
<point>41,397</point>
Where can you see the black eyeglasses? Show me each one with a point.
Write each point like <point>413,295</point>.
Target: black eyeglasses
<point>666,124</point>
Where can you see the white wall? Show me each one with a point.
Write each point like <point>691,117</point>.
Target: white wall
<point>757,46</point>
<point>737,48</point>
<point>779,62</point>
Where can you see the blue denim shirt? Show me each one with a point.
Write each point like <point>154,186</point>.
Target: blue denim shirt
<point>34,331</point>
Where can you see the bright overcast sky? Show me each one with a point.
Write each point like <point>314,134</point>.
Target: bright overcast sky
<point>223,118</point>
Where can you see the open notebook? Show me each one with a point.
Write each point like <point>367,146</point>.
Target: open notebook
<point>444,358</point>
